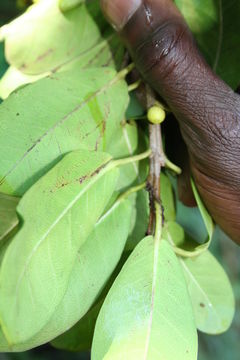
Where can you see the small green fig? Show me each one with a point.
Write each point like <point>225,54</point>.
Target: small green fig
<point>156,115</point>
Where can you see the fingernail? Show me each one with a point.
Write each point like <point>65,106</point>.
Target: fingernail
<point>119,12</point>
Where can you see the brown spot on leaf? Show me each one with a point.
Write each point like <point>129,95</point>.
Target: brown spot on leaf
<point>202,305</point>
<point>44,55</point>
<point>82,179</point>
<point>23,66</point>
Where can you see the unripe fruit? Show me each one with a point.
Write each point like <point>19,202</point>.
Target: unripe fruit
<point>156,115</point>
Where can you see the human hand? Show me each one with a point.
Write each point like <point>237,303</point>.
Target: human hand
<point>207,110</point>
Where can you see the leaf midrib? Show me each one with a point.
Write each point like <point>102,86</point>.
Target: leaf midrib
<point>58,123</point>
<point>155,271</point>
<point>102,172</point>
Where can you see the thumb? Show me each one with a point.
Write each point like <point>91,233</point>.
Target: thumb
<point>207,110</point>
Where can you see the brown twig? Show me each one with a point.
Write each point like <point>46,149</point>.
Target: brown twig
<point>157,161</point>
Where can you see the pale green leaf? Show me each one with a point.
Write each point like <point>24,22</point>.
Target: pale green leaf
<point>185,238</point>
<point>167,198</point>
<point>42,122</point>
<point>43,38</point>
<point>205,214</point>
<point>13,79</point>
<point>183,244</point>
<point>147,313</point>
<point>107,52</point>
<point>59,213</point>
<point>139,219</point>
<point>124,143</point>
<point>79,338</point>
<point>192,222</point>
<point>66,5</point>
<point>61,42</point>
<point>94,264</point>
<point>211,293</point>
<point>8,215</point>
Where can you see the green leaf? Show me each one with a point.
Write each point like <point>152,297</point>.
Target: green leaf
<point>205,215</point>
<point>14,79</point>
<point>64,205</point>
<point>125,144</point>
<point>66,5</point>
<point>192,222</point>
<point>216,27</point>
<point>57,37</point>
<point>61,42</point>
<point>183,244</point>
<point>211,293</point>
<point>79,338</point>
<point>107,52</point>
<point>8,215</point>
<point>42,122</point>
<point>139,219</point>
<point>147,313</point>
<point>95,262</point>
<point>186,238</point>
<point>167,198</point>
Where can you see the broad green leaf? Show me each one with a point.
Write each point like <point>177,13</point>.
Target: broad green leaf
<point>205,215</point>
<point>66,5</point>
<point>13,79</point>
<point>79,338</point>
<point>57,37</point>
<point>147,313</point>
<point>93,266</point>
<point>167,198</point>
<point>61,42</point>
<point>216,27</point>
<point>135,109</point>
<point>8,215</point>
<point>59,213</point>
<point>183,244</point>
<point>125,144</point>
<point>43,121</point>
<point>107,52</point>
<point>178,238</point>
<point>211,293</point>
<point>189,238</point>
<point>192,222</point>
<point>139,219</point>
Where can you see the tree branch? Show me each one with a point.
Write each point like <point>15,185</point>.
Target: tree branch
<point>157,161</point>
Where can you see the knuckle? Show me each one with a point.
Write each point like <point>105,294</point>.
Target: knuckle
<point>165,49</point>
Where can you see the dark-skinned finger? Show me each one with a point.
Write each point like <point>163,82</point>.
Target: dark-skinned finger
<point>208,111</point>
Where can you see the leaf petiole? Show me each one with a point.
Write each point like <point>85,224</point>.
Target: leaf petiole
<point>131,191</point>
<point>134,86</point>
<point>123,73</point>
<point>132,159</point>
<point>169,165</point>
